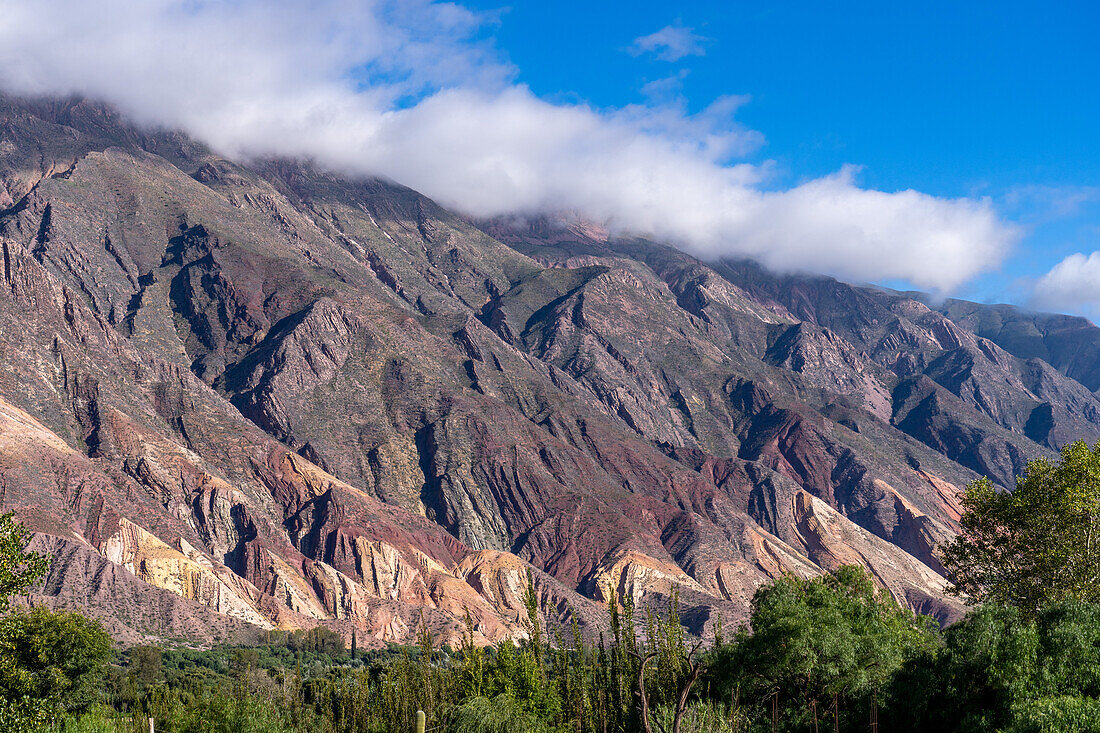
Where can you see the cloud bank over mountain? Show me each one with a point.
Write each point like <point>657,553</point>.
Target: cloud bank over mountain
<point>1072,285</point>
<point>413,91</point>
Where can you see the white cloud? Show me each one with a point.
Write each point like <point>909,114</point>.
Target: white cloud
<point>1072,285</point>
<point>671,43</point>
<point>399,88</point>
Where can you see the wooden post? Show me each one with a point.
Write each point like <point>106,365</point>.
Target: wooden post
<point>421,721</point>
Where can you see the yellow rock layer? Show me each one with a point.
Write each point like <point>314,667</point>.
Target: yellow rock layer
<point>159,565</point>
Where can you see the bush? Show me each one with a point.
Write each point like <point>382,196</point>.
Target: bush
<point>501,714</point>
<point>25,713</point>
<point>56,660</point>
<point>98,719</point>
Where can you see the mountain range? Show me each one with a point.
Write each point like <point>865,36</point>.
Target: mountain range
<point>241,396</point>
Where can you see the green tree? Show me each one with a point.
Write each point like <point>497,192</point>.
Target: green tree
<point>52,661</point>
<point>318,640</point>
<point>820,648</point>
<point>989,661</point>
<point>471,669</point>
<point>19,569</point>
<point>1000,669</point>
<point>145,664</point>
<point>1036,545</point>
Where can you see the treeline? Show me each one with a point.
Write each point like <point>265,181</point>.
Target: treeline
<point>829,653</point>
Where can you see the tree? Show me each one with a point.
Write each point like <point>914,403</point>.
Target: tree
<point>145,663</point>
<point>318,640</point>
<point>471,670</point>
<point>1000,669</point>
<point>19,569</point>
<point>243,661</point>
<point>1034,546</point>
<point>1066,714</point>
<point>989,661</point>
<point>53,661</point>
<point>820,649</point>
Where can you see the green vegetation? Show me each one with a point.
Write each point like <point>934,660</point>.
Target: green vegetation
<point>831,653</point>
<point>828,653</point>
<point>821,649</point>
<point>48,662</point>
<point>1037,545</point>
<point>19,568</point>
<point>54,656</point>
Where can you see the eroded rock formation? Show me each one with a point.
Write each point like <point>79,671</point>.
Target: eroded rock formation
<point>268,396</point>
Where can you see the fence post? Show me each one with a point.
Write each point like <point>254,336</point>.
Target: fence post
<point>421,721</point>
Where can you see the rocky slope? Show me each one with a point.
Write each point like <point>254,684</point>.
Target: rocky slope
<point>240,397</point>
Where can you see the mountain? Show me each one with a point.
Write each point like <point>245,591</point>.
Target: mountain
<point>246,396</point>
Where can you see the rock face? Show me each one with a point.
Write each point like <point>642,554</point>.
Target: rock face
<point>266,396</point>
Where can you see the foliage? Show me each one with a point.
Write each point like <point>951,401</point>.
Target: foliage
<point>317,640</point>
<point>1064,714</point>
<point>987,663</point>
<point>99,719</point>
<point>19,569</point>
<point>501,714</point>
<point>50,663</point>
<point>1034,546</point>
<point>820,649</point>
<point>25,713</point>
<point>1002,670</point>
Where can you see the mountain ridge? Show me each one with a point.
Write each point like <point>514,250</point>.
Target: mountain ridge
<point>259,395</point>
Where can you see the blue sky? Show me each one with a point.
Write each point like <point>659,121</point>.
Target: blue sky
<point>950,147</point>
<point>953,99</point>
